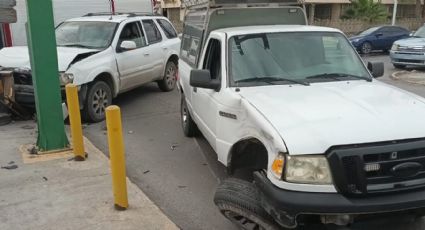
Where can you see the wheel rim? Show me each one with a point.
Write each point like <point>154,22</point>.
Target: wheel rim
<point>170,76</point>
<point>184,115</point>
<point>100,102</point>
<point>366,48</point>
<point>242,221</point>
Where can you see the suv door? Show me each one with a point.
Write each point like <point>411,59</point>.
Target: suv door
<point>155,54</point>
<point>205,101</point>
<point>134,69</point>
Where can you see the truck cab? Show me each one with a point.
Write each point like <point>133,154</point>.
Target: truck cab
<point>305,130</point>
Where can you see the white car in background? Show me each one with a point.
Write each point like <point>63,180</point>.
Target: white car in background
<point>105,55</point>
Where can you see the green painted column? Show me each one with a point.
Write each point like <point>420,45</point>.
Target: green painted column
<point>44,65</point>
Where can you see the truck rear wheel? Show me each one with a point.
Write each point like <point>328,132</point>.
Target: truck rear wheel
<point>239,201</point>
<point>168,83</point>
<point>188,125</point>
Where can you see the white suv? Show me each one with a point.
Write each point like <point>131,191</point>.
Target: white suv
<point>105,55</point>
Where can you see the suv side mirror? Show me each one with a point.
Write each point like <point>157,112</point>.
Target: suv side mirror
<point>376,68</point>
<point>201,78</point>
<point>128,45</point>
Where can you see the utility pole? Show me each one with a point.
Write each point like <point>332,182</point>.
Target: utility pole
<point>394,12</point>
<point>44,66</point>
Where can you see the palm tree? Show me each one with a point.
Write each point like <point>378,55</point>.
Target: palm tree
<point>367,10</point>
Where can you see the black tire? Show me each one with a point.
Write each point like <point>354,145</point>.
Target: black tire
<point>168,83</point>
<point>99,97</point>
<point>239,201</point>
<point>366,48</point>
<point>398,66</point>
<point>189,127</point>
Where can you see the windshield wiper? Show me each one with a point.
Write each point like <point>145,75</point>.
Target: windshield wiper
<point>337,76</point>
<point>271,80</point>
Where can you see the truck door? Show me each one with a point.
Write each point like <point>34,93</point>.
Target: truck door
<point>205,100</point>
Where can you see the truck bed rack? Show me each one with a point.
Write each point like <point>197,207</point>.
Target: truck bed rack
<point>129,14</point>
<point>237,3</point>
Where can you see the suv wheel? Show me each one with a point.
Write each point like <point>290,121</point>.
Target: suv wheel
<point>239,201</point>
<point>188,125</point>
<point>99,97</point>
<point>168,83</point>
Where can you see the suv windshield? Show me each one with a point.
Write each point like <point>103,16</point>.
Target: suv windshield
<point>285,58</point>
<point>420,32</point>
<point>92,35</point>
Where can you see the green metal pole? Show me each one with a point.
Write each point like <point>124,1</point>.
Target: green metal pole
<point>44,65</point>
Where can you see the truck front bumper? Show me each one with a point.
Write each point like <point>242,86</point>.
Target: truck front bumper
<point>287,206</point>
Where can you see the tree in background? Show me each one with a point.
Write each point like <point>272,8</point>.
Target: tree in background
<point>367,10</point>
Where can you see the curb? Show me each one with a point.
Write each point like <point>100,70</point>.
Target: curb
<point>406,76</point>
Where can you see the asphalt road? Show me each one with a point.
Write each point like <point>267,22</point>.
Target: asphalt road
<point>180,174</point>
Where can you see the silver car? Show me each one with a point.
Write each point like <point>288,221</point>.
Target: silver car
<point>409,51</point>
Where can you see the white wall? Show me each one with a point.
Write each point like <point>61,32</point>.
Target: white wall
<point>66,9</point>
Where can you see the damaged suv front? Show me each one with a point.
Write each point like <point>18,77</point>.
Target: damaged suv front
<point>78,43</point>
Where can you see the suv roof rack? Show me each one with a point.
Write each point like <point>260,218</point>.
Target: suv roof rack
<point>223,3</point>
<point>129,14</point>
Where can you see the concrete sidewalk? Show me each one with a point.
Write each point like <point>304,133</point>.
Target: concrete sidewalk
<point>53,192</point>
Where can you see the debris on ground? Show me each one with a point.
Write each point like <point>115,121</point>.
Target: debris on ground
<point>11,163</point>
<point>174,146</point>
<point>45,178</point>
<point>130,132</point>
<point>9,167</point>
<point>147,171</point>
<point>182,186</point>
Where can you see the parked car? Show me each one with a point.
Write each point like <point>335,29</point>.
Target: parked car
<point>105,55</point>
<point>378,38</point>
<point>409,51</point>
<point>302,125</point>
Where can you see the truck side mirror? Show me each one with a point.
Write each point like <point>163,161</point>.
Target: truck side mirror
<point>376,68</point>
<point>201,78</point>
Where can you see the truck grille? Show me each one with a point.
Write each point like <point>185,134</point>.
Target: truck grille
<point>378,168</point>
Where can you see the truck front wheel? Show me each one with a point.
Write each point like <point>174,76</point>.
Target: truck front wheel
<point>99,97</point>
<point>239,201</point>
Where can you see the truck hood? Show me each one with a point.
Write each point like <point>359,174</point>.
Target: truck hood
<point>14,57</point>
<point>311,119</point>
<point>411,42</point>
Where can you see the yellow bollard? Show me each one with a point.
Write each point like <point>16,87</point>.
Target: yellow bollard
<point>75,122</point>
<point>116,154</point>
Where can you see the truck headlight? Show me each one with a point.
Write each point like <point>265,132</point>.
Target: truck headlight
<point>66,78</point>
<point>307,170</point>
<point>394,47</point>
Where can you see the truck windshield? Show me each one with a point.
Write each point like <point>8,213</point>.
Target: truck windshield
<point>303,57</point>
<point>420,33</point>
<point>85,34</point>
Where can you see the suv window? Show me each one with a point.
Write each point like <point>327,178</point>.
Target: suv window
<point>152,31</point>
<point>169,30</point>
<point>132,32</point>
<point>212,60</point>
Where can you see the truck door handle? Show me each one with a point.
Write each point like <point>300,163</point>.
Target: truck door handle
<point>195,89</point>
<point>146,55</point>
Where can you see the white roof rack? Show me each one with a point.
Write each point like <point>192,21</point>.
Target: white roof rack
<point>220,3</point>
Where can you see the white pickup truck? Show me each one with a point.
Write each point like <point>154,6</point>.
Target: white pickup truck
<point>105,55</point>
<point>305,130</point>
